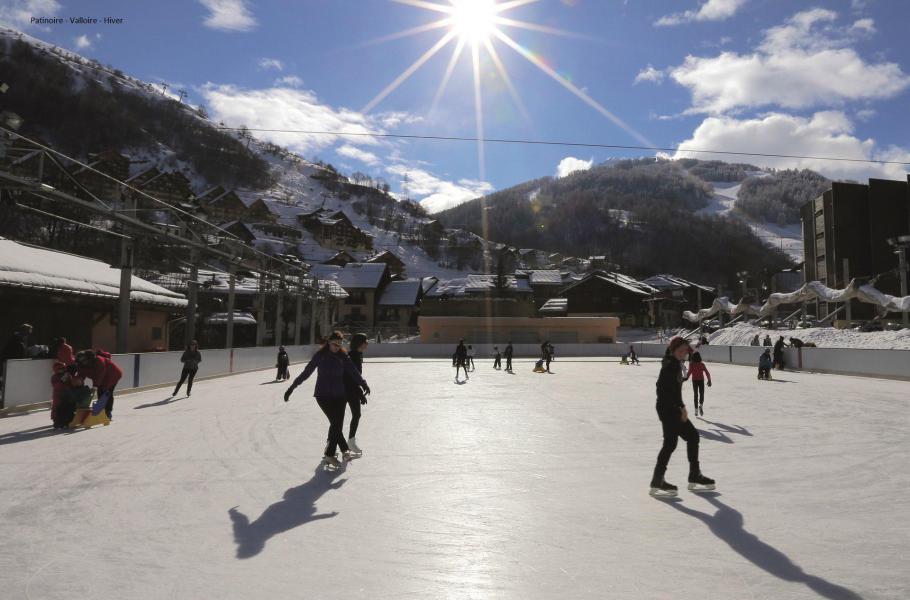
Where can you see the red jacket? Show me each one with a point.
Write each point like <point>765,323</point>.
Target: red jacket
<point>698,370</point>
<point>103,373</point>
<point>65,354</point>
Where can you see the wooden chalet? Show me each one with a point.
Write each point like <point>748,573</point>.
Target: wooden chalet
<point>396,265</point>
<point>333,229</point>
<point>222,206</point>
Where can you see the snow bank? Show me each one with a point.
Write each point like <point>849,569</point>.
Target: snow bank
<point>741,334</point>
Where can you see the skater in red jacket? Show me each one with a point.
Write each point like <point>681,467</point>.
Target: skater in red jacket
<point>104,373</point>
<point>698,372</point>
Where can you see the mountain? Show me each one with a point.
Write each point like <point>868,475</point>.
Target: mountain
<point>648,215</point>
<point>81,108</point>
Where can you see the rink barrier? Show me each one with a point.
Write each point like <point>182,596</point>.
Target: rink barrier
<point>27,382</point>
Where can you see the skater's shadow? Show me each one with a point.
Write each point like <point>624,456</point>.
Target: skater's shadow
<point>727,524</point>
<point>297,507</point>
<point>714,436</point>
<point>460,382</point>
<point>737,429</point>
<point>781,380</point>
<point>27,435</point>
<point>273,381</point>
<point>164,402</point>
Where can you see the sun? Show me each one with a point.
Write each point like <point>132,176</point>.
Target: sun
<point>473,20</point>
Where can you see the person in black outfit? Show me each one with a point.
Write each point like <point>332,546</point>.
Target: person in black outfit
<point>779,346</point>
<point>546,351</point>
<point>352,391</point>
<point>284,361</point>
<point>332,363</point>
<point>767,340</point>
<point>190,359</point>
<point>508,355</point>
<point>460,360</point>
<point>675,422</point>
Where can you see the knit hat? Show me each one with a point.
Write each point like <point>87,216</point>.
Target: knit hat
<point>677,342</point>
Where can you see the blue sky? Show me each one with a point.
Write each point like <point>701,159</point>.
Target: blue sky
<point>816,78</point>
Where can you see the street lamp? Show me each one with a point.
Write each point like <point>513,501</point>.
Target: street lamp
<point>901,243</point>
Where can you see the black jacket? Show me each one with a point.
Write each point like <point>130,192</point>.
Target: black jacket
<point>351,387</point>
<point>461,354</point>
<point>283,359</point>
<point>16,347</point>
<point>508,352</point>
<point>191,359</point>
<point>669,389</point>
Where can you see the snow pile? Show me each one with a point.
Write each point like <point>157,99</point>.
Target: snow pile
<point>741,334</point>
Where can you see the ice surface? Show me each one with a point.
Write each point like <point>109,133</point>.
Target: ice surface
<point>511,486</point>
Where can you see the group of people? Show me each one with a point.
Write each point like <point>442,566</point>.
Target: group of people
<point>71,374</point>
<point>463,358</point>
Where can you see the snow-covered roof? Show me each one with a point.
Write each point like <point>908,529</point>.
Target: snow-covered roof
<point>400,293</point>
<point>352,275</point>
<point>672,282</point>
<point>485,283</point>
<point>555,306</point>
<point>25,266</point>
<point>240,318</point>
<point>618,279</point>
<point>544,277</point>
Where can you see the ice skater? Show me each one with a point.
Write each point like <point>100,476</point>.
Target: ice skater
<point>779,346</point>
<point>331,363</point>
<point>470,357</point>
<point>633,356</point>
<point>698,372</point>
<point>191,358</point>
<point>352,391</point>
<point>508,354</point>
<point>764,364</point>
<point>675,423</point>
<point>282,364</point>
<point>104,373</point>
<point>546,351</point>
<point>497,358</point>
<point>460,360</point>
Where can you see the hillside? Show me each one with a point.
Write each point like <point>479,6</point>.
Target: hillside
<point>644,214</point>
<point>82,108</point>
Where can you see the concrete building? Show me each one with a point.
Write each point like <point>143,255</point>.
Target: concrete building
<point>518,330</point>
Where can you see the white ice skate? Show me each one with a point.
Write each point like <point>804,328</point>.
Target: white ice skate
<point>331,463</point>
<point>351,454</point>
<point>663,490</point>
<point>352,444</point>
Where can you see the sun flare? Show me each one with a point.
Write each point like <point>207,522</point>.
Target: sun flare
<point>473,20</point>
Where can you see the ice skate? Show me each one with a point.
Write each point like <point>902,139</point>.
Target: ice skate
<point>352,444</point>
<point>351,455</point>
<point>700,483</point>
<point>701,411</point>
<point>331,463</point>
<point>662,489</point>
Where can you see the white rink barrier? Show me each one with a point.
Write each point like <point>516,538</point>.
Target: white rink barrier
<point>28,381</point>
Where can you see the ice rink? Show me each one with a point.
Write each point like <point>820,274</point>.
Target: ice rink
<point>510,486</point>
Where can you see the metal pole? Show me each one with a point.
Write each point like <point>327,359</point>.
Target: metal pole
<point>902,265</point>
<point>123,309</point>
<point>279,320</point>
<point>298,314</point>
<point>849,302</point>
<point>229,335</point>
<point>192,293</point>
<point>313,321</point>
<point>260,313</point>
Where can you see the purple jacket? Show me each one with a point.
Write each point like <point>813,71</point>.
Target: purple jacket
<point>331,368</point>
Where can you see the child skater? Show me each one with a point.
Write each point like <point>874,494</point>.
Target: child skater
<point>331,363</point>
<point>352,391</point>
<point>282,363</point>
<point>497,358</point>
<point>675,423</point>
<point>470,357</point>
<point>764,364</point>
<point>697,372</point>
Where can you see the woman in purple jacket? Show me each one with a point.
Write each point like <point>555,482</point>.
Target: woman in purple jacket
<point>331,363</point>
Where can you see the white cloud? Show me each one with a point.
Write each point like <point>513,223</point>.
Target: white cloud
<point>349,151</point>
<point>803,63</point>
<point>649,73</point>
<point>712,10</point>
<point>824,134</point>
<point>864,25</point>
<point>289,81</point>
<point>82,42</point>
<point>271,63</point>
<point>436,194</point>
<point>228,15</point>
<point>287,109</point>
<point>570,164</point>
<point>19,12</point>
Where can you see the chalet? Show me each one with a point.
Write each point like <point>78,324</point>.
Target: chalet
<point>172,188</point>
<point>674,295</point>
<point>399,304</point>
<point>605,294</point>
<point>363,283</point>
<point>260,212</point>
<point>241,230</point>
<point>546,284</point>
<point>333,229</point>
<point>479,296</point>
<point>340,259</point>
<point>277,230</point>
<point>222,206</point>
<point>396,265</point>
<point>109,163</point>
<point>532,259</point>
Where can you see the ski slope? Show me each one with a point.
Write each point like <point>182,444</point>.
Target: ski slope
<point>517,486</point>
<point>787,238</point>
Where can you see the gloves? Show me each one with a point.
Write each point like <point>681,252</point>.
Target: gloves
<point>366,391</point>
<point>709,384</point>
<point>363,400</point>
<point>287,394</point>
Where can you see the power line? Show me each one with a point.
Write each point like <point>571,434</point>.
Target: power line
<point>448,138</point>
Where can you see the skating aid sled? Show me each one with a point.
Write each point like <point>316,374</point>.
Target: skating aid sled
<point>84,417</point>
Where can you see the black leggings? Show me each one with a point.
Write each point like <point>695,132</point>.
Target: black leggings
<point>333,407</point>
<point>186,375</point>
<point>673,429</point>
<point>508,363</point>
<point>283,373</point>
<point>698,387</point>
<point>354,403</point>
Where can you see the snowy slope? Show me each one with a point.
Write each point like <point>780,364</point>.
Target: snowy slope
<point>788,238</point>
<point>741,334</point>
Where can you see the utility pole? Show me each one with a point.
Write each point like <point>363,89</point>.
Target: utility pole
<point>849,302</point>
<point>313,315</point>
<point>279,320</point>
<point>192,296</point>
<point>260,313</point>
<point>298,312</point>
<point>126,277</point>
<point>232,282</point>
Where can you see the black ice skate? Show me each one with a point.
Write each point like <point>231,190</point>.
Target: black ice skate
<point>700,483</point>
<point>662,489</point>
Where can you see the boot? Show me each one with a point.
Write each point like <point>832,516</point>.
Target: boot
<point>697,481</point>
<point>659,487</point>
